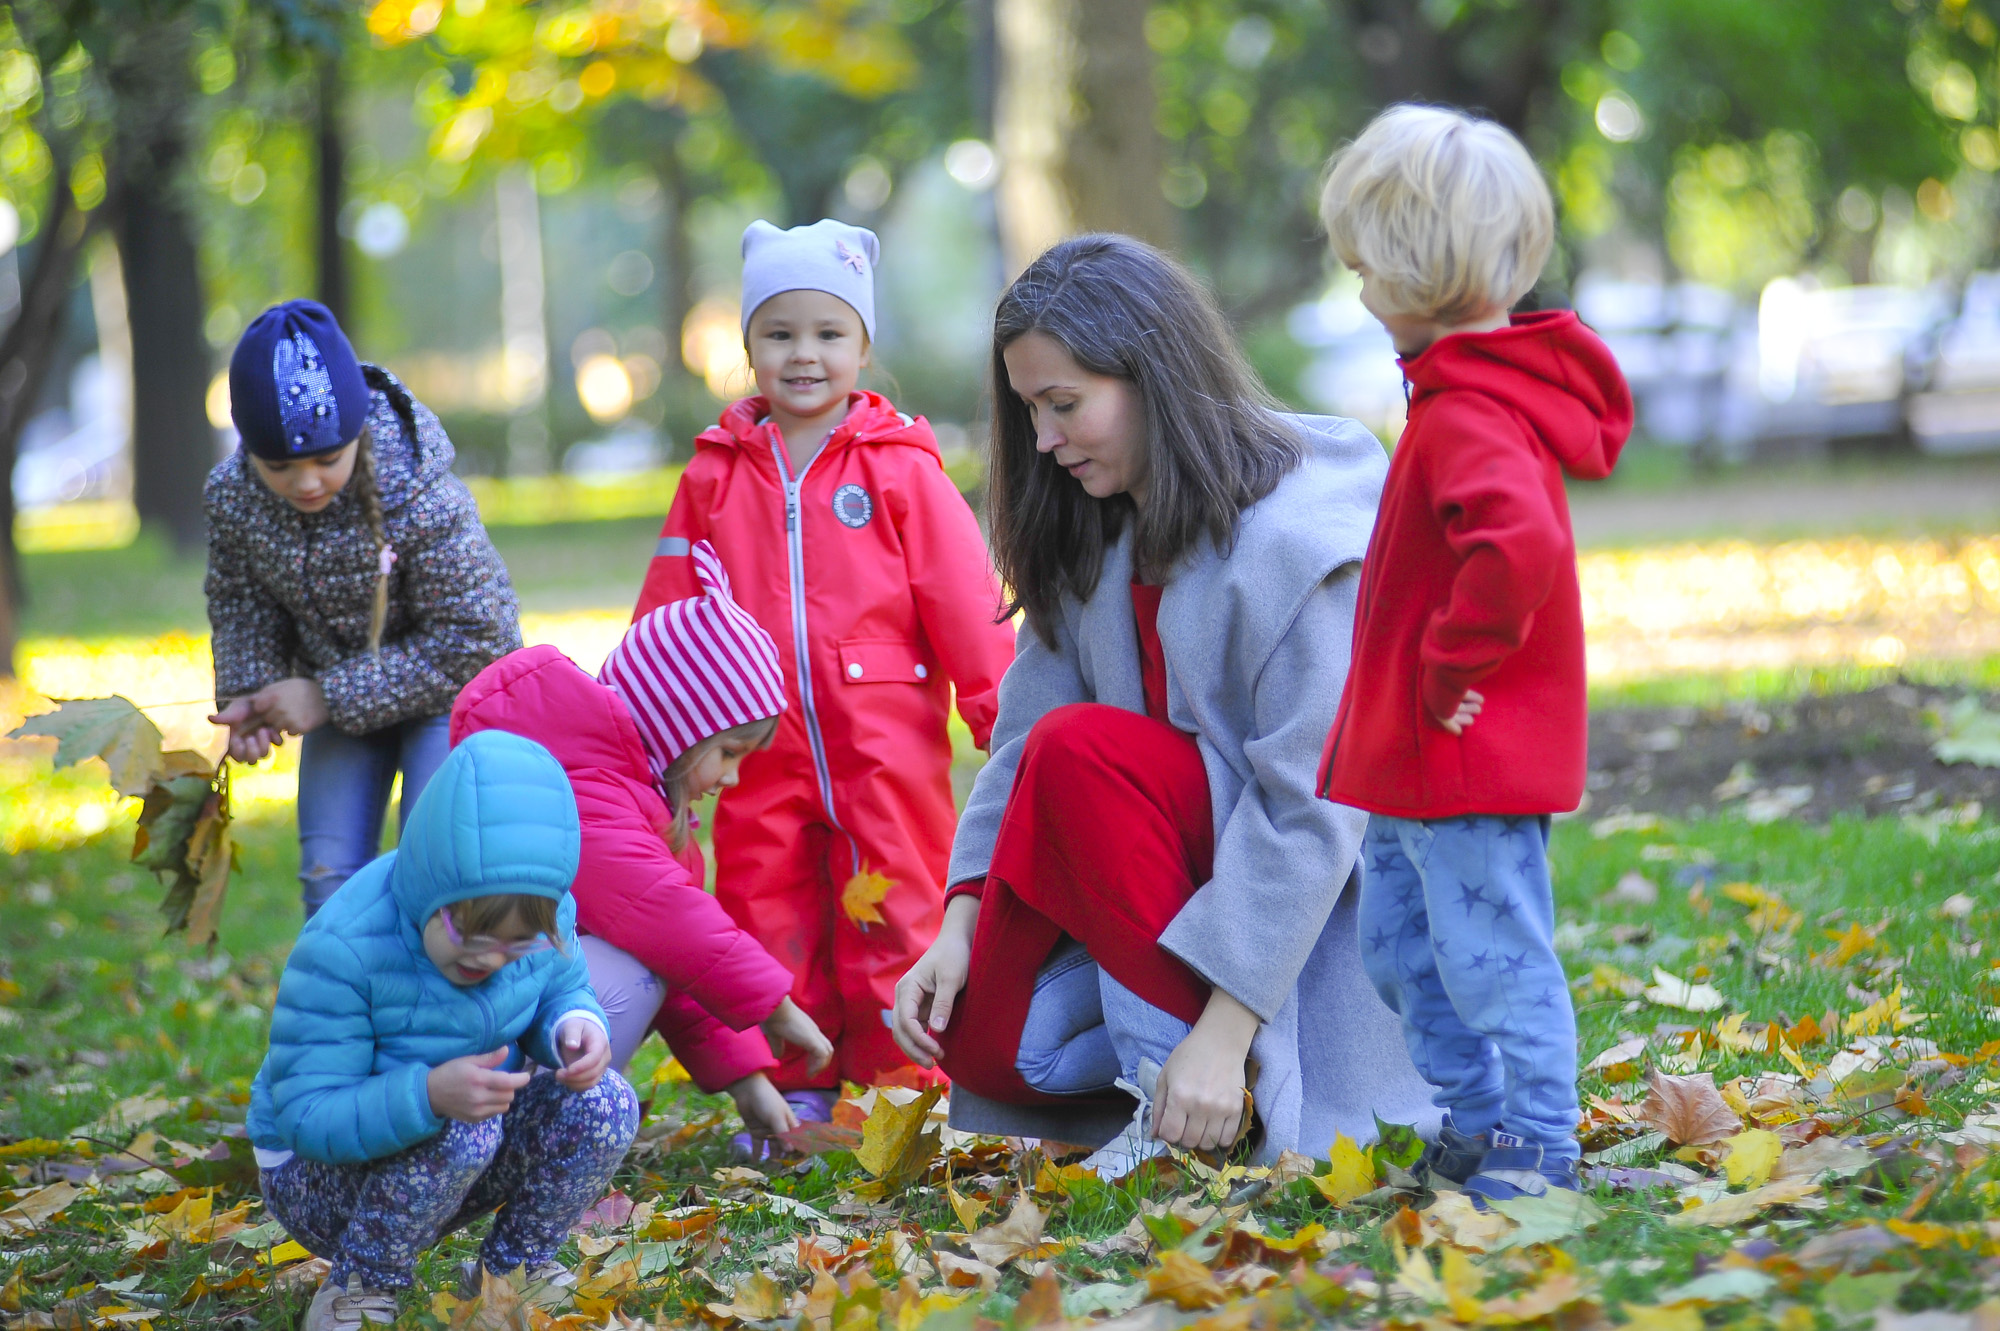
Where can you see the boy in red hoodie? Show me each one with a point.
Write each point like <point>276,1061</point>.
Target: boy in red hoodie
<point>1462,727</point>
<point>845,538</point>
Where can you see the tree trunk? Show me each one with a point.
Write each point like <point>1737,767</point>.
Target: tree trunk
<point>331,136</point>
<point>1114,157</point>
<point>173,445</point>
<point>1498,63</point>
<point>150,75</point>
<point>1073,121</point>
<point>26,352</point>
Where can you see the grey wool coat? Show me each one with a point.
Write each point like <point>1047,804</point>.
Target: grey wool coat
<point>1256,644</point>
<point>291,593</point>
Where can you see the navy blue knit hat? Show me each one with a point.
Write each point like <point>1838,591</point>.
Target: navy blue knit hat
<point>295,388</point>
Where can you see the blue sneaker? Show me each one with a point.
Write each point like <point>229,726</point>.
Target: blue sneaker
<point>1515,1167</point>
<point>1452,1159</point>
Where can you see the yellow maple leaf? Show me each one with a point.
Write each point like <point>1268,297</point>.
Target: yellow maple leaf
<point>1884,1014</point>
<point>1752,1156</point>
<point>862,894</point>
<point>1351,1175</point>
<point>1847,946</point>
<point>969,1210</point>
<point>895,1148</point>
<point>1652,1317</point>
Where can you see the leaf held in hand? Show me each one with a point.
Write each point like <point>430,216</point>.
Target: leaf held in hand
<point>862,894</point>
<point>108,728</point>
<point>1689,1110</point>
<point>1351,1172</point>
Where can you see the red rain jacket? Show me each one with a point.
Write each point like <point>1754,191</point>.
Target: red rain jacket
<point>899,586</point>
<point>631,890</point>
<point>1470,580</point>
<point>869,565</point>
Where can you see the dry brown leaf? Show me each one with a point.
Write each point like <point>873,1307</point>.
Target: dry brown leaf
<point>32,1210</point>
<point>757,1299</point>
<point>1184,1282</point>
<point>1453,1219</point>
<point>965,1272</point>
<point>1041,1305</point>
<point>498,1306</point>
<point>1291,1167</point>
<point>1735,1208</point>
<point>1018,1236</point>
<point>862,894</point>
<point>1690,1110</point>
<point>1559,1291</point>
<point>1820,1155</point>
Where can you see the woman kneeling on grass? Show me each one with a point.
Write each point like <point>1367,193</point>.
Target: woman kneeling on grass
<point>396,1104</point>
<point>1147,895</point>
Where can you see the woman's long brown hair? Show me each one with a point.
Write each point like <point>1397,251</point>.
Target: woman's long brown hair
<point>1215,439</point>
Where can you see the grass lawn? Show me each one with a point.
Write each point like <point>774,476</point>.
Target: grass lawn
<point>99,1008</point>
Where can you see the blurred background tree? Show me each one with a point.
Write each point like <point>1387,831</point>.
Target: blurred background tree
<point>530,208</point>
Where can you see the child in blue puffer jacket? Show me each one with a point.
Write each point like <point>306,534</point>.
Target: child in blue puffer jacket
<point>395,1105</point>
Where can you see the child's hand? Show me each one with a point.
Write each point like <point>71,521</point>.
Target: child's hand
<point>471,1089</point>
<point>789,1026</point>
<point>295,705</point>
<point>584,1052</point>
<point>1467,713</point>
<point>764,1111</point>
<point>250,740</point>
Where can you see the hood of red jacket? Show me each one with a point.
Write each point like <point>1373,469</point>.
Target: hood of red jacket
<point>1553,370</point>
<point>871,419</point>
<point>542,695</point>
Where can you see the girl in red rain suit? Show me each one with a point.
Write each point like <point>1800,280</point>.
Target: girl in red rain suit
<point>845,538</point>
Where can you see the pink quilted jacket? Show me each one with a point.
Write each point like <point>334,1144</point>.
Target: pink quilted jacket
<point>631,890</point>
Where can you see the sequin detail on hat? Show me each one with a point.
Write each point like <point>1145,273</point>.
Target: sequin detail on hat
<point>305,396</point>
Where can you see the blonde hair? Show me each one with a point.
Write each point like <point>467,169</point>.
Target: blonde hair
<point>1446,212</point>
<point>675,778</point>
<point>475,916</point>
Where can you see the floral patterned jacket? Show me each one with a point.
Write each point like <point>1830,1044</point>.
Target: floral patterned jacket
<point>290,593</point>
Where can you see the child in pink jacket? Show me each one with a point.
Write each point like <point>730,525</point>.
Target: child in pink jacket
<point>691,689</point>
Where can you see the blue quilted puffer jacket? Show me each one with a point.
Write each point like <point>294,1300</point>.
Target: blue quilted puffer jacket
<point>363,1016</point>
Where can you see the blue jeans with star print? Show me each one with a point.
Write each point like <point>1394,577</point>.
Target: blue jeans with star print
<point>1458,935</point>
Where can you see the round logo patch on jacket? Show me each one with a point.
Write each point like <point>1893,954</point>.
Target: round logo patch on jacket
<point>853,506</point>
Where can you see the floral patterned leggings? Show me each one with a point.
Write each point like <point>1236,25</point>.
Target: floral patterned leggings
<point>543,1163</point>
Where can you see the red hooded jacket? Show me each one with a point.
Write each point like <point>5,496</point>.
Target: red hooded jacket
<point>631,890</point>
<point>1470,580</point>
<point>900,590</point>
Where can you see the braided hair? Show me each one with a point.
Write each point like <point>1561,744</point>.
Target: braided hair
<point>368,494</point>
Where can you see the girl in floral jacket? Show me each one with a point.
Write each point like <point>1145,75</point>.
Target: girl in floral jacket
<point>351,588</point>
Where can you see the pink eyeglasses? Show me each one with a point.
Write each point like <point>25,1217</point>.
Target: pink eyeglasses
<point>480,943</point>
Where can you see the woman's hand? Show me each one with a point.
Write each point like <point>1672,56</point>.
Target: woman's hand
<point>584,1051</point>
<point>764,1111</point>
<point>926,994</point>
<point>250,739</point>
<point>296,705</point>
<point>1198,1101</point>
<point>472,1089</point>
<point>1467,713</point>
<point>789,1025</point>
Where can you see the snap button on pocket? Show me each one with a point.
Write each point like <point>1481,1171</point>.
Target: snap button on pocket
<point>854,670</point>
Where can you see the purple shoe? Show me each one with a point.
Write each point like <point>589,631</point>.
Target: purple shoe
<point>810,1106</point>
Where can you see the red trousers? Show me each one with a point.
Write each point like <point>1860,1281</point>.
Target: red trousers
<point>1108,832</point>
<point>780,869</point>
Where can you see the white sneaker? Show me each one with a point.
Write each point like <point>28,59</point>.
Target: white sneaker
<point>338,1309</point>
<point>1136,1144</point>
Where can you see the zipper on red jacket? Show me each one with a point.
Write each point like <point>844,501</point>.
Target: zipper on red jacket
<point>795,548</point>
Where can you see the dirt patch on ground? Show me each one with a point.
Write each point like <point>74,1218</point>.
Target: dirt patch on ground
<point>1807,758</point>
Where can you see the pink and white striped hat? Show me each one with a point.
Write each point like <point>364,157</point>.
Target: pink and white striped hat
<point>694,668</point>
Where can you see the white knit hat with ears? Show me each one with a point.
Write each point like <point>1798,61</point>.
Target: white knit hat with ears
<point>827,256</point>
